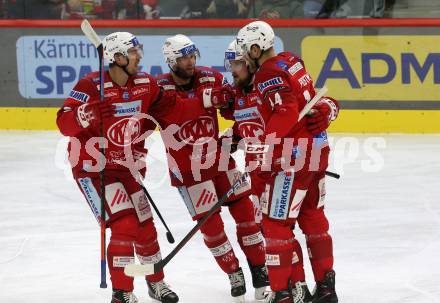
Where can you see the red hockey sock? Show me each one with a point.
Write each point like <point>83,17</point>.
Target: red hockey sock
<point>120,251</point>
<point>248,232</point>
<point>147,248</point>
<point>297,273</point>
<point>219,245</point>
<point>279,250</point>
<point>320,248</point>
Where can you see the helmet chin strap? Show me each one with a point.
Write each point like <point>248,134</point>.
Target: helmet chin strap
<point>124,67</point>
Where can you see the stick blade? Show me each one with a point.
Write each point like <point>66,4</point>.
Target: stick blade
<point>137,270</point>
<point>90,33</point>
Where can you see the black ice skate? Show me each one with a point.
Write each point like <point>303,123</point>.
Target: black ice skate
<point>260,280</point>
<point>238,285</point>
<point>325,290</point>
<point>122,296</point>
<point>282,296</point>
<point>161,292</point>
<point>301,293</point>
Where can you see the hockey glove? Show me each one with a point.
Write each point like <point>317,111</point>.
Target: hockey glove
<point>93,112</point>
<point>218,96</point>
<point>325,111</point>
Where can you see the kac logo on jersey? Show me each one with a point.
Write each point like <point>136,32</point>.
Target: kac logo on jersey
<point>198,131</point>
<point>240,102</point>
<point>125,96</point>
<point>124,132</point>
<point>127,109</point>
<point>79,96</point>
<point>269,83</point>
<point>250,130</point>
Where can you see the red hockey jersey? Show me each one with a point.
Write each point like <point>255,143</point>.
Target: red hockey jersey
<point>283,87</point>
<point>140,95</point>
<point>198,129</point>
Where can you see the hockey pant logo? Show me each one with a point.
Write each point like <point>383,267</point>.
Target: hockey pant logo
<point>281,201</point>
<point>92,197</point>
<point>117,197</point>
<point>199,198</point>
<point>233,176</point>
<point>142,206</point>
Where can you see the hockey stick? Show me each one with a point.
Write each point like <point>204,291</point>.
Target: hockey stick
<point>332,174</point>
<point>134,270</point>
<point>170,237</point>
<point>89,32</point>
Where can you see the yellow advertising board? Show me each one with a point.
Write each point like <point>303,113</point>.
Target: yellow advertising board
<point>376,68</point>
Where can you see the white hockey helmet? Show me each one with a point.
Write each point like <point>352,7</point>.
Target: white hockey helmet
<point>256,33</point>
<point>176,47</point>
<point>233,53</point>
<point>119,42</point>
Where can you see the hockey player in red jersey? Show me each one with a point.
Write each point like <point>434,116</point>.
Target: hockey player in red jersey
<point>292,158</point>
<point>198,172</point>
<point>127,92</point>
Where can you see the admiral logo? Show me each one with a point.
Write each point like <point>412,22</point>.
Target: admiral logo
<point>304,80</point>
<point>141,80</point>
<point>127,109</point>
<point>206,198</point>
<point>79,96</point>
<point>125,96</point>
<point>119,197</point>
<point>269,83</point>
<point>283,65</point>
<point>140,91</point>
<point>295,68</point>
<point>124,132</point>
<point>197,131</point>
<point>246,114</point>
<point>240,102</point>
<point>207,79</point>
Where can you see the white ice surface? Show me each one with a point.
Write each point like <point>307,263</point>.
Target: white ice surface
<point>385,222</point>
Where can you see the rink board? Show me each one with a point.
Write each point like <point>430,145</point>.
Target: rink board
<point>385,73</point>
<point>356,121</point>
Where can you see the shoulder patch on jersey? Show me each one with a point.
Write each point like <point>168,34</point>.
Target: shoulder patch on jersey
<point>141,81</point>
<point>206,72</point>
<point>106,85</point>
<point>127,108</point>
<point>206,79</point>
<point>246,114</point>
<point>162,81</point>
<point>95,80</point>
<point>295,68</point>
<point>79,96</point>
<point>283,65</point>
<point>169,87</point>
<point>269,83</point>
